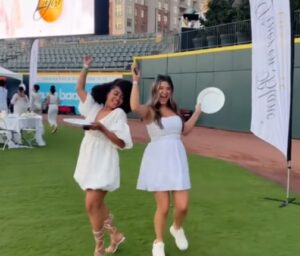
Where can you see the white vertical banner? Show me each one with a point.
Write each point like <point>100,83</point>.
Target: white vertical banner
<point>271,71</point>
<point>33,65</point>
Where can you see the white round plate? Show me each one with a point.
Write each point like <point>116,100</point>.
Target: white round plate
<point>76,121</point>
<point>212,99</point>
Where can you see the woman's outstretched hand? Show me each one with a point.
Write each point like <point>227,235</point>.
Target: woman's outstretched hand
<point>87,60</point>
<point>97,126</point>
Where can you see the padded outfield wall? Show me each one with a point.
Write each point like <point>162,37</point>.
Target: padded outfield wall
<point>228,68</point>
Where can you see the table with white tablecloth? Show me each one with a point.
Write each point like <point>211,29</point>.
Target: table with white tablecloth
<point>18,123</point>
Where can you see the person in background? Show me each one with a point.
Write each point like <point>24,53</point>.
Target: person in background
<point>97,170</point>
<point>3,95</point>
<point>20,101</point>
<point>52,102</point>
<point>164,169</point>
<point>36,100</point>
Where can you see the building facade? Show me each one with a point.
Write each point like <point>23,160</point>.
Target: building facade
<point>146,16</point>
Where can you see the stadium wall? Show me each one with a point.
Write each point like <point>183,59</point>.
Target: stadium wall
<point>228,68</point>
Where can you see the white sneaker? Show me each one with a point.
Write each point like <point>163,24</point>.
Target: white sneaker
<point>180,239</point>
<point>158,249</point>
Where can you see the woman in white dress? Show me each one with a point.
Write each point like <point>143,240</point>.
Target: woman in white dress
<point>52,103</point>
<point>97,170</point>
<point>36,100</point>
<point>20,101</point>
<point>164,168</point>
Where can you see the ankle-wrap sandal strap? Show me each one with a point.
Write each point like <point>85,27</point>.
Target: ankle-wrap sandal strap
<point>99,249</point>
<point>108,223</point>
<point>115,243</point>
<point>116,238</point>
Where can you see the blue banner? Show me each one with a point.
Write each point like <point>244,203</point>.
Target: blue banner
<point>66,86</point>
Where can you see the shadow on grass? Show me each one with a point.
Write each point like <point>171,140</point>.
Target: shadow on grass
<point>284,203</point>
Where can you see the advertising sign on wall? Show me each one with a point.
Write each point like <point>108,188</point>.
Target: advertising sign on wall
<point>66,86</point>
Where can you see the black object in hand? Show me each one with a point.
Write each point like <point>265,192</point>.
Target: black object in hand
<point>135,71</point>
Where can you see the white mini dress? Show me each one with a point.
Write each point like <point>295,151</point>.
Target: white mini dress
<point>164,165</point>
<point>98,161</point>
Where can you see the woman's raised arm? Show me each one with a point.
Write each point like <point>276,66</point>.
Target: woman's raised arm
<point>135,105</point>
<point>81,92</point>
<point>190,124</point>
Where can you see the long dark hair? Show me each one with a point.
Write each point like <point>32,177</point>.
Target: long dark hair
<point>154,101</point>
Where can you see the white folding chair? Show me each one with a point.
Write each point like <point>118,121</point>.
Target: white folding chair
<point>5,135</point>
<point>28,136</point>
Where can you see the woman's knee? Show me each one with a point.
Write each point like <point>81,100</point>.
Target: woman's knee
<point>93,202</point>
<point>181,201</point>
<point>162,210</point>
<point>182,208</point>
<point>92,206</point>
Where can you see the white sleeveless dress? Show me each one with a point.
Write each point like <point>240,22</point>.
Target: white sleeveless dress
<point>164,165</point>
<point>98,161</point>
<point>53,110</point>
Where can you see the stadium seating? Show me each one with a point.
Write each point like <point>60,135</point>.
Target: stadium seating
<point>111,53</point>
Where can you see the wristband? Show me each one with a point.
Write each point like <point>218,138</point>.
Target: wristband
<point>85,68</point>
<point>134,82</point>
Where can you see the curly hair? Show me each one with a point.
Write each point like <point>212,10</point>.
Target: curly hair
<point>99,92</point>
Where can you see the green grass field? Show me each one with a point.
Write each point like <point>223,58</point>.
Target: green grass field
<point>42,208</point>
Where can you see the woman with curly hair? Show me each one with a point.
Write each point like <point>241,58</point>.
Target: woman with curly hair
<point>97,171</point>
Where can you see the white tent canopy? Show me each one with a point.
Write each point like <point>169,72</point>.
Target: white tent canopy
<point>8,73</point>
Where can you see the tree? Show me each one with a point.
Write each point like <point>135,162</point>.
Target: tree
<point>226,11</point>
<point>242,10</point>
<point>296,4</point>
<point>219,12</point>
